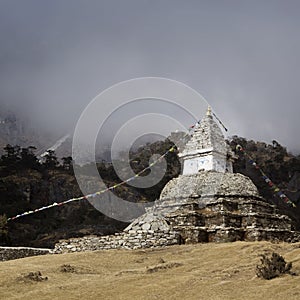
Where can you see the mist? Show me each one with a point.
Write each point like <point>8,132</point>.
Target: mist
<point>242,56</point>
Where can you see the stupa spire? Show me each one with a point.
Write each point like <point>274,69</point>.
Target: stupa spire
<point>207,148</point>
<point>208,112</point>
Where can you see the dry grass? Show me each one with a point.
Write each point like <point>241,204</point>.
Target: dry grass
<point>203,271</point>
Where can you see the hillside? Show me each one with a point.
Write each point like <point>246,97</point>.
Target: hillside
<point>27,184</point>
<point>202,271</point>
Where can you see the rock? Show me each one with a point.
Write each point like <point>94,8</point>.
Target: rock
<point>146,226</point>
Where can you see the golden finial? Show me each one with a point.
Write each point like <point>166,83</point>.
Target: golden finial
<point>208,113</point>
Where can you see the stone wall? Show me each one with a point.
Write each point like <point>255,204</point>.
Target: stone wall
<point>147,231</point>
<point>9,253</point>
<point>118,241</point>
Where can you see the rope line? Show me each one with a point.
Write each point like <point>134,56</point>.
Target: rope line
<point>221,123</point>
<point>93,195</point>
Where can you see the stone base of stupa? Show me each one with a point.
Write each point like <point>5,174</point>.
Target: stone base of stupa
<point>200,208</point>
<point>222,207</point>
<point>229,219</point>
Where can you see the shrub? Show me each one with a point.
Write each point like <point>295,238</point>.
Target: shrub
<point>33,276</point>
<point>273,266</point>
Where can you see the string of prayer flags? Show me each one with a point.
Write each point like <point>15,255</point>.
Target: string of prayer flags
<point>271,184</point>
<point>171,149</point>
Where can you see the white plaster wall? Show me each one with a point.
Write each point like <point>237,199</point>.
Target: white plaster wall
<point>193,165</point>
<point>207,163</point>
<point>219,164</point>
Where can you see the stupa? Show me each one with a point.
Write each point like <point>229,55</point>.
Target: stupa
<point>213,203</point>
<point>206,203</point>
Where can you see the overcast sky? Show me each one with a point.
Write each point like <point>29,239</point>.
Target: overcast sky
<point>242,56</point>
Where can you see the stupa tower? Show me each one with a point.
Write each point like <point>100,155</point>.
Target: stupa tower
<point>207,149</point>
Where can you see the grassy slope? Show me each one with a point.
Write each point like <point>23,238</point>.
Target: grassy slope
<point>203,271</point>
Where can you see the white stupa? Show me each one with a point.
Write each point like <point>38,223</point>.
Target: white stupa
<point>207,149</point>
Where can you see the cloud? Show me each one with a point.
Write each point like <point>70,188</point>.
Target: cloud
<point>243,57</point>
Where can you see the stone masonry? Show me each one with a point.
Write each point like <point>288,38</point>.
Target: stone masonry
<point>9,253</point>
<point>234,211</point>
<point>147,231</point>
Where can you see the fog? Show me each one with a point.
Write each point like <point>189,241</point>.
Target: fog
<point>242,56</point>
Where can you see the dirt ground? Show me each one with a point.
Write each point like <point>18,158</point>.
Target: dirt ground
<point>202,271</point>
